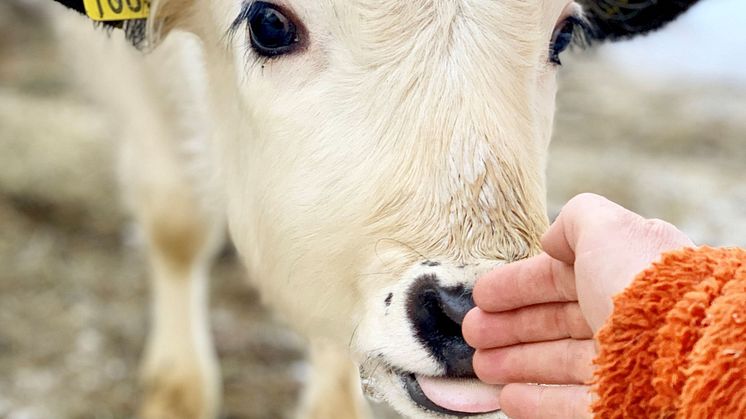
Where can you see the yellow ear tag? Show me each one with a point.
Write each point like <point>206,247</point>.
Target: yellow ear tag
<point>107,10</point>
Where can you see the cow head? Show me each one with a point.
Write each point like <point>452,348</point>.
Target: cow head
<point>378,155</point>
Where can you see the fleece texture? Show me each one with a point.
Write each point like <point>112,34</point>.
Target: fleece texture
<point>675,345</point>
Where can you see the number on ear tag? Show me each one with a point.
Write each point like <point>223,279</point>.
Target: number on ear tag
<point>108,10</point>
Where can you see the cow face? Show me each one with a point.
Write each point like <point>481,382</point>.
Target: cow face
<point>386,154</point>
<point>377,156</point>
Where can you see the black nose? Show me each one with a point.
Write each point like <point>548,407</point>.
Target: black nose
<point>436,314</point>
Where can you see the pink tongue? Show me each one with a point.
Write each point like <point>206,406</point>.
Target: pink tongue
<point>461,395</point>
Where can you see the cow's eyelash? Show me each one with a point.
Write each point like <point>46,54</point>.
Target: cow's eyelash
<point>241,22</point>
<point>584,32</point>
<point>241,19</point>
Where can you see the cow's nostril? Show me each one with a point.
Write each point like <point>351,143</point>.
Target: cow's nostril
<point>455,303</point>
<point>436,314</point>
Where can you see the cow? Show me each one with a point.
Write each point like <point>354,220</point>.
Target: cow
<point>371,159</point>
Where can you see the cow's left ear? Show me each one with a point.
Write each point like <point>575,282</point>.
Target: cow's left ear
<point>621,19</point>
<point>144,22</point>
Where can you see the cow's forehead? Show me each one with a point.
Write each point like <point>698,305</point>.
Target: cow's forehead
<point>423,5</point>
<point>408,15</point>
<point>493,27</point>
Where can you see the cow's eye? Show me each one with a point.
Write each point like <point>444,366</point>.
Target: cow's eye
<point>271,31</point>
<point>562,38</point>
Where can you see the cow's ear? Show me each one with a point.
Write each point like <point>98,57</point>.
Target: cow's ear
<point>621,19</point>
<point>144,22</point>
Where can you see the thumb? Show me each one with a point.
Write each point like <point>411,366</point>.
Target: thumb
<point>589,219</point>
<point>607,245</point>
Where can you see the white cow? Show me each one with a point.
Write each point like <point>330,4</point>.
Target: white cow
<point>370,157</point>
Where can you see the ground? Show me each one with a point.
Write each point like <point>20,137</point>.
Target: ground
<point>73,285</point>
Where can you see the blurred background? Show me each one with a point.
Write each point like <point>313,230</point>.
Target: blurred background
<point>657,124</point>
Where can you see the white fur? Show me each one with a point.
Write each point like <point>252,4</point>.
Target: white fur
<point>406,131</point>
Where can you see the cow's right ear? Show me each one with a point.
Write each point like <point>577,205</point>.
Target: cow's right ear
<point>144,22</point>
<point>622,19</point>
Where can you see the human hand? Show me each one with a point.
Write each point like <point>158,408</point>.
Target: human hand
<point>535,319</point>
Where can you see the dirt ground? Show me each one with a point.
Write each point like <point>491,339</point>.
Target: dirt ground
<point>73,286</point>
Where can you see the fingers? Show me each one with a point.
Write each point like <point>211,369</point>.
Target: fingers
<point>530,401</point>
<point>544,322</point>
<point>536,280</point>
<point>565,361</point>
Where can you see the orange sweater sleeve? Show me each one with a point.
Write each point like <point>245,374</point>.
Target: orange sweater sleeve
<point>675,345</point>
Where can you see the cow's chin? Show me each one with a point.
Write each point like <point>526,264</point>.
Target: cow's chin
<point>430,397</point>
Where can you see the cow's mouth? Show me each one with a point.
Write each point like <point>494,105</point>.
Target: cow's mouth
<point>452,396</point>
